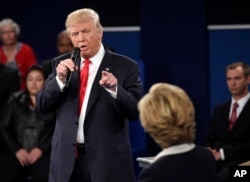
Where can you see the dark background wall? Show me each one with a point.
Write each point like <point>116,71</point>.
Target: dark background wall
<point>229,41</point>
<point>224,12</point>
<point>174,49</point>
<point>40,21</point>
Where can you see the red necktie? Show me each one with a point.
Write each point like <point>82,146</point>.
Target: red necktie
<point>83,85</point>
<point>233,116</point>
<point>83,82</point>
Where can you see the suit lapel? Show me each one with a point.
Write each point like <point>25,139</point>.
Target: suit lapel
<point>225,119</point>
<point>243,115</point>
<point>76,86</point>
<point>106,63</point>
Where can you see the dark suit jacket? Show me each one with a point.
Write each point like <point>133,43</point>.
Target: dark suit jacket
<point>47,67</point>
<point>197,165</point>
<point>236,143</point>
<point>106,124</point>
<point>9,83</point>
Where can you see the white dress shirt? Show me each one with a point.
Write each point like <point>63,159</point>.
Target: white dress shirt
<point>242,102</point>
<point>93,68</point>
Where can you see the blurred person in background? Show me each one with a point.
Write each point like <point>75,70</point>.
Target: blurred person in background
<point>27,134</point>
<point>63,45</point>
<point>228,135</point>
<point>9,83</point>
<point>14,53</point>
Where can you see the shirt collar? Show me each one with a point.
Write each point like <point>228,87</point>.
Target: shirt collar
<point>96,59</point>
<point>176,149</point>
<point>243,100</point>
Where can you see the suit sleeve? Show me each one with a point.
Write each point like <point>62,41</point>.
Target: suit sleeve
<point>49,97</point>
<point>129,94</point>
<point>211,135</point>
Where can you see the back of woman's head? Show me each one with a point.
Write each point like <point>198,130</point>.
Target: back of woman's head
<point>167,114</point>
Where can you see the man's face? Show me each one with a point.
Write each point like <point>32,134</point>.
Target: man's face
<point>64,44</point>
<point>87,37</point>
<point>237,82</point>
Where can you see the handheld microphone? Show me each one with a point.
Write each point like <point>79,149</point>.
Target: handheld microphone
<point>74,56</point>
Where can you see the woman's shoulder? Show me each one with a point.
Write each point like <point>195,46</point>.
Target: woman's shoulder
<point>18,96</point>
<point>25,47</point>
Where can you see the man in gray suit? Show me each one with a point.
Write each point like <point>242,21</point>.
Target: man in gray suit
<point>91,143</point>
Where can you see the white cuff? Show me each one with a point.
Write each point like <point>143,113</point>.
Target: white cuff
<point>222,155</point>
<point>60,83</point>
<point>112,93</point>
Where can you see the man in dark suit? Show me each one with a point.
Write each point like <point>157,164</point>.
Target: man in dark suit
<point>229,139</point>
<point>9,83</point>
<point>91,143</point>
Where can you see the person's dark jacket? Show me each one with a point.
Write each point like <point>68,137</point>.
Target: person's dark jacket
<point>23,127</point>
<point>9,83</point>
<point>234,142</point>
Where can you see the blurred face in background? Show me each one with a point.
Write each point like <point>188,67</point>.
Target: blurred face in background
<point>8,35</point>
<point>237,82</point>
<point>64,44</point>
<point>35,82</point>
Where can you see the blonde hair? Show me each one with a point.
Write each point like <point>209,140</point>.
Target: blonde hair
<point>81,15</point>
<point>167,114</point>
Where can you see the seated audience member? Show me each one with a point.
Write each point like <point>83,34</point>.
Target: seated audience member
<point>9,83</point>
<point>228,136</point>
<point>167,114</point>
<point>27,134</point>
<point>14,53</point>
<point>63,45</point>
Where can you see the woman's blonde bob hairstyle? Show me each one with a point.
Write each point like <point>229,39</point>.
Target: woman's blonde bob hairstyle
<point>167,114</point>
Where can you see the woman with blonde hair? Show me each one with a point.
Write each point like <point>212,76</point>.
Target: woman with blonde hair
<point>168,115</point>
